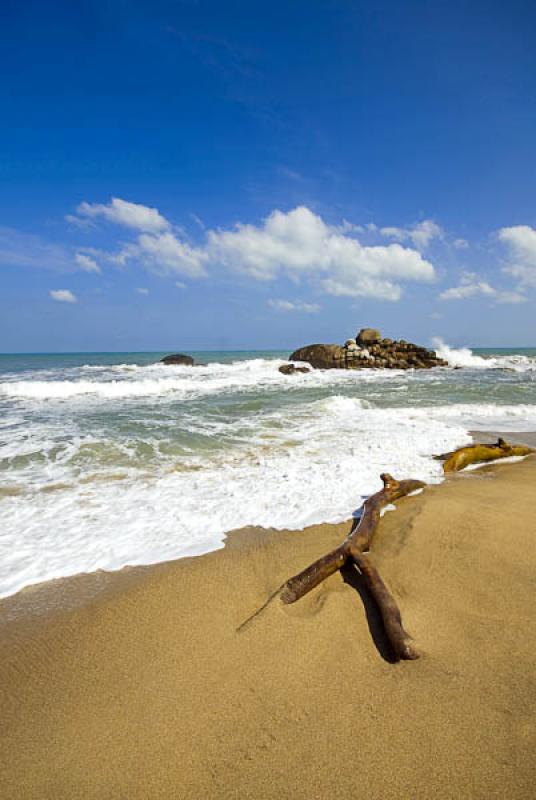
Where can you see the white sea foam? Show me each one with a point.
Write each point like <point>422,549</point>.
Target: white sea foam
<point>132,382</point>
<point>464,357</point>
<point>136,466</point>
<point>317,467</point>
<point>184,382</point>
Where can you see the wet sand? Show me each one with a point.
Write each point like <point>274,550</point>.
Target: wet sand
<point>152,683</point>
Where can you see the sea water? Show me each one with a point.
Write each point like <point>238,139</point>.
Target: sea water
<point>114,459</point>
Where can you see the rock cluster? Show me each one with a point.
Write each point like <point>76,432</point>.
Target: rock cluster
<point>369,350</point>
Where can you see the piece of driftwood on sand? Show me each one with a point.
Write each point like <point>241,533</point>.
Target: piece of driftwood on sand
<point>480,454</point>
<point>354,548</point>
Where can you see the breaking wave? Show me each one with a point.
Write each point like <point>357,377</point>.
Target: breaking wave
<point>464,357</point>
<point>107,465</point>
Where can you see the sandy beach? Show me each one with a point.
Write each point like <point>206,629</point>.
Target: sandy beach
<point>164,682</point>
<point>267,297</point>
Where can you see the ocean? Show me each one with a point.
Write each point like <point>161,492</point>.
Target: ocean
<point>112,459</point>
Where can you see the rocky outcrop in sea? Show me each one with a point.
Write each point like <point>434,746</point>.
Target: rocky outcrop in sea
<point>369,350</point>
<point>178,359</point>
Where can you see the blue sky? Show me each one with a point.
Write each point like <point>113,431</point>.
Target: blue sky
<point>190,175</point>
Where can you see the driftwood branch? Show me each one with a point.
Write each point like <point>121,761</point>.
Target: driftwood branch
<point>480,453</point>
<point>392,620</point>
<point>353,549</point>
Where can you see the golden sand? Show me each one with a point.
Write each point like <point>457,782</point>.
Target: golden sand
<point>144,688</point>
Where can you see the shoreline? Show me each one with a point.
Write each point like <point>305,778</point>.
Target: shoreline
<point>168,700</point>
<point>73,591</point>
<point>82,496</point>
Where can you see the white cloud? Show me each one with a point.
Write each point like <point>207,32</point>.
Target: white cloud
<point>86,263</point>
<point>510,298</point>
<point>294,305</point>
<point>470,286</point>
<point>142,290</point>
<point>300,244</point>
<point>467,289</point>
<point>166,253</point>
<point>460,244</point>
<point>521,242</point>
<point>180,285</point>
<point>297,244</point>
<point>122,212</point>
<point>63,296</point>
<point>369,287</point>
<point>420,235</point>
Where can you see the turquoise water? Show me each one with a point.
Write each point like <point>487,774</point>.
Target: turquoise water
<point>21,362</point>
<point>109,459</point>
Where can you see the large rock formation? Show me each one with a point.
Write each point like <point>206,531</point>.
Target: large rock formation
<point>321,356</point>
<point>178,358</point>
<point>369,350</point>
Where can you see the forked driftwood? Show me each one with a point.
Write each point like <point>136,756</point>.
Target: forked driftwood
<point>480,453</point>
<point>355,546</point>
<point>353,550</point>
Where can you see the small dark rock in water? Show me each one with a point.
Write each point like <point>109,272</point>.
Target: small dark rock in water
<point>178,358</point>
<point>290,369</point>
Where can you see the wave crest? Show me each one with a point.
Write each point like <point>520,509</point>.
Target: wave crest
<point>464,357</point>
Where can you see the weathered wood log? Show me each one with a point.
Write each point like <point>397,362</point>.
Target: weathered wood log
<point>392,621</point>
<point>480,454</point>
<point>353,549</point>
<point>314,574</point>
<point>361,534</point>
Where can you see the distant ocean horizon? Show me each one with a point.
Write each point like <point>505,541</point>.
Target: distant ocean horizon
<point>110,459</point>
<point>164,352</point>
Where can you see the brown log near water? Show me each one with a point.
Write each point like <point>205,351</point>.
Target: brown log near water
<point>358,542</point>
<point>480,453</point>
<point>353,549</point>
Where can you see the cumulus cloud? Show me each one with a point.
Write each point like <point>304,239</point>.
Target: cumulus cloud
<point>420,235</point>
<point>122,212</point>
<point>294,305</point>
<point>166,253</point>
<point>297,244</point>
<point>471,286</point>
<point>86,263</point>
<point>142,290</point>
<point>521,243</point>
<point>300,244</point>
<point>63,296</point>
